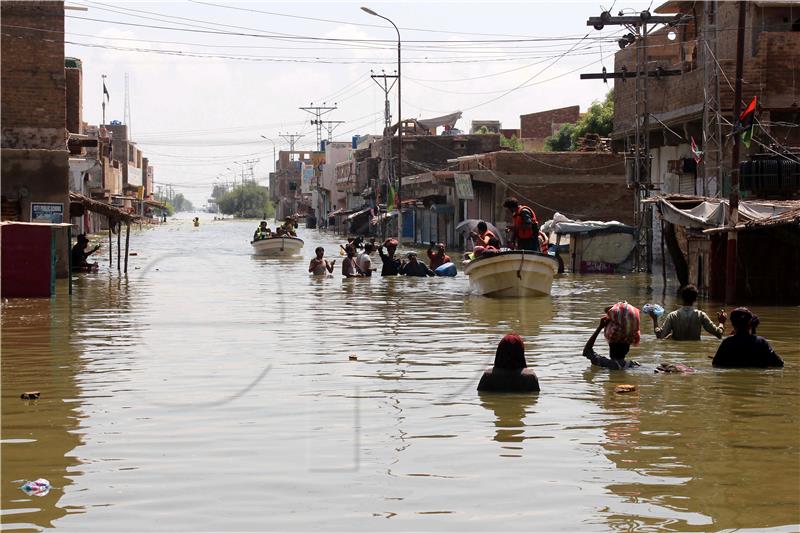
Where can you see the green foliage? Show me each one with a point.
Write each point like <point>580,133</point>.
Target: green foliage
<point>247,201</point>
<point>598,119</point>
<point>561,141</point>
<point>180,203</point>
<point>170,208</point>
<point>483,130</point>
<point>512,143</point>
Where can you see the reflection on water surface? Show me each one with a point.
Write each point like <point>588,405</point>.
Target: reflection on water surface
<point>213,390</point>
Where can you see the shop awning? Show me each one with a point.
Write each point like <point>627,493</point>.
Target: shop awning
<point>383,217</point>
<point>359,213</point>
<point>102,208</point>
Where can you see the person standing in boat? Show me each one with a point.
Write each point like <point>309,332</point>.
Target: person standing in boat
<point>391,265</point>
<point>684,324</point>
<point>524,228</point>
<point>438,257</point>
<point>349,267</point>
<point>319,265</point>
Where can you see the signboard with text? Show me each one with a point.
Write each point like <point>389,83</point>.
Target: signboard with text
<point>49,212</point>
<point>463,186</point>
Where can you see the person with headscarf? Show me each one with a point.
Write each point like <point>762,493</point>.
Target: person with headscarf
<point>620,326</point>
<point>510,372</point>
<point>745,349</point>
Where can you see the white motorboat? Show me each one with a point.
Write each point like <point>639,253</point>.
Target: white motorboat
<point>277,246</point>
<point>513,273</point>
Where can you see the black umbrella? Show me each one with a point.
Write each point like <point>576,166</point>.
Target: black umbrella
<point>471,224</point>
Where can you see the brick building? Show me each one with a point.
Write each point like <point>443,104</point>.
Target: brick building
<point>771,72</point>
<point>33,111</point>
<point>581,185</point>
<point>536,127</point>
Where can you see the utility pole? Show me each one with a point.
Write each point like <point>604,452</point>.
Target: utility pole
<point>642,180</point>
<point>386,158</point>
<point>733,215</point>
<point>103,98</point>
<point>318,111</point>
<point>712,125</point>
<point>127,109</point>
<point>291,139</point>
<point>329,126</point>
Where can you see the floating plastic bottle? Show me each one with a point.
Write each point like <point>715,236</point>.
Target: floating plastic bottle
<point>653,310</point>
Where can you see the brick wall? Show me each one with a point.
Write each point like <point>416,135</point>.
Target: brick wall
<point>540,125</point>
<point>32,79</point>
<point>74,99</point>
<point>581,185</point>
<point>771,65</point>
<point>431,152</point>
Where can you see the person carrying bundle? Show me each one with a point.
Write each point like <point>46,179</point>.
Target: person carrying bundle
<point>620,326</point>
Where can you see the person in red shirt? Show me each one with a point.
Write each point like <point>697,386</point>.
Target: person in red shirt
<point>524,227</point>
<point>438,257</point>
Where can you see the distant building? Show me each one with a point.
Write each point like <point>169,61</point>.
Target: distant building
<point>492,126</point>
<point>536,127</point>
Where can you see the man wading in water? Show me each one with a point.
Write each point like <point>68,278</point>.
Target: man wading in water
<point>684,324</point>
<point>319,265</point>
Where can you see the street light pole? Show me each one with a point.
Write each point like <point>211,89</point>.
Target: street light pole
<point>274,160</point>
<point>399,127</point>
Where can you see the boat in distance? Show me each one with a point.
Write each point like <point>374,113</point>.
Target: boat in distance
<point>277,246</point>
<point>512,273</point>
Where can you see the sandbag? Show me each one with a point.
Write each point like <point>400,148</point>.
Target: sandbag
<point>623,325</point>
<point>447,270</point>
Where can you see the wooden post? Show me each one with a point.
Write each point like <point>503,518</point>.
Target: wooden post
<point>119,246</point>
<point>127,243</point>
<point>663,262</point>
<point>733,207</point>
<point>110,244</point>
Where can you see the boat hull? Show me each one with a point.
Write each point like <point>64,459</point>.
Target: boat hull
<point>512,274</point>
<point>277,246</point>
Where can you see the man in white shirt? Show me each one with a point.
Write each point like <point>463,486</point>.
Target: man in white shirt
<point>363,260</point>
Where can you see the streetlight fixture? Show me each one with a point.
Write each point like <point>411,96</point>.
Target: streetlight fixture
<point>399,126</point>
<point>274,159</point>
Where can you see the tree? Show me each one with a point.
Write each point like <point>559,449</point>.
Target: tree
<point>561,141</point>
<point>512,143</point>
<point>598,119</point>
<point>247,201</point>
<point>180,203</point>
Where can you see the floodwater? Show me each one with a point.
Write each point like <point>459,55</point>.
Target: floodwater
<point>212,390</point>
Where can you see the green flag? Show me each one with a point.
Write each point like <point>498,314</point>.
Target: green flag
<point>747,136</point>
<point>390,200</point>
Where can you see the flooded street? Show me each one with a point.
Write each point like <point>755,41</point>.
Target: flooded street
<point>213,390</point>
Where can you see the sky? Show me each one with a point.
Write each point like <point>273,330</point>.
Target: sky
<point>208,79</point>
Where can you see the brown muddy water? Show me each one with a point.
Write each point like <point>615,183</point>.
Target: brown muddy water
<point>212,390</point>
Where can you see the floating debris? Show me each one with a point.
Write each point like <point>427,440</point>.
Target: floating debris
<point>40,487</point>
<point>353,357</point>
<point>622,389</point>
<point>32,395</point>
